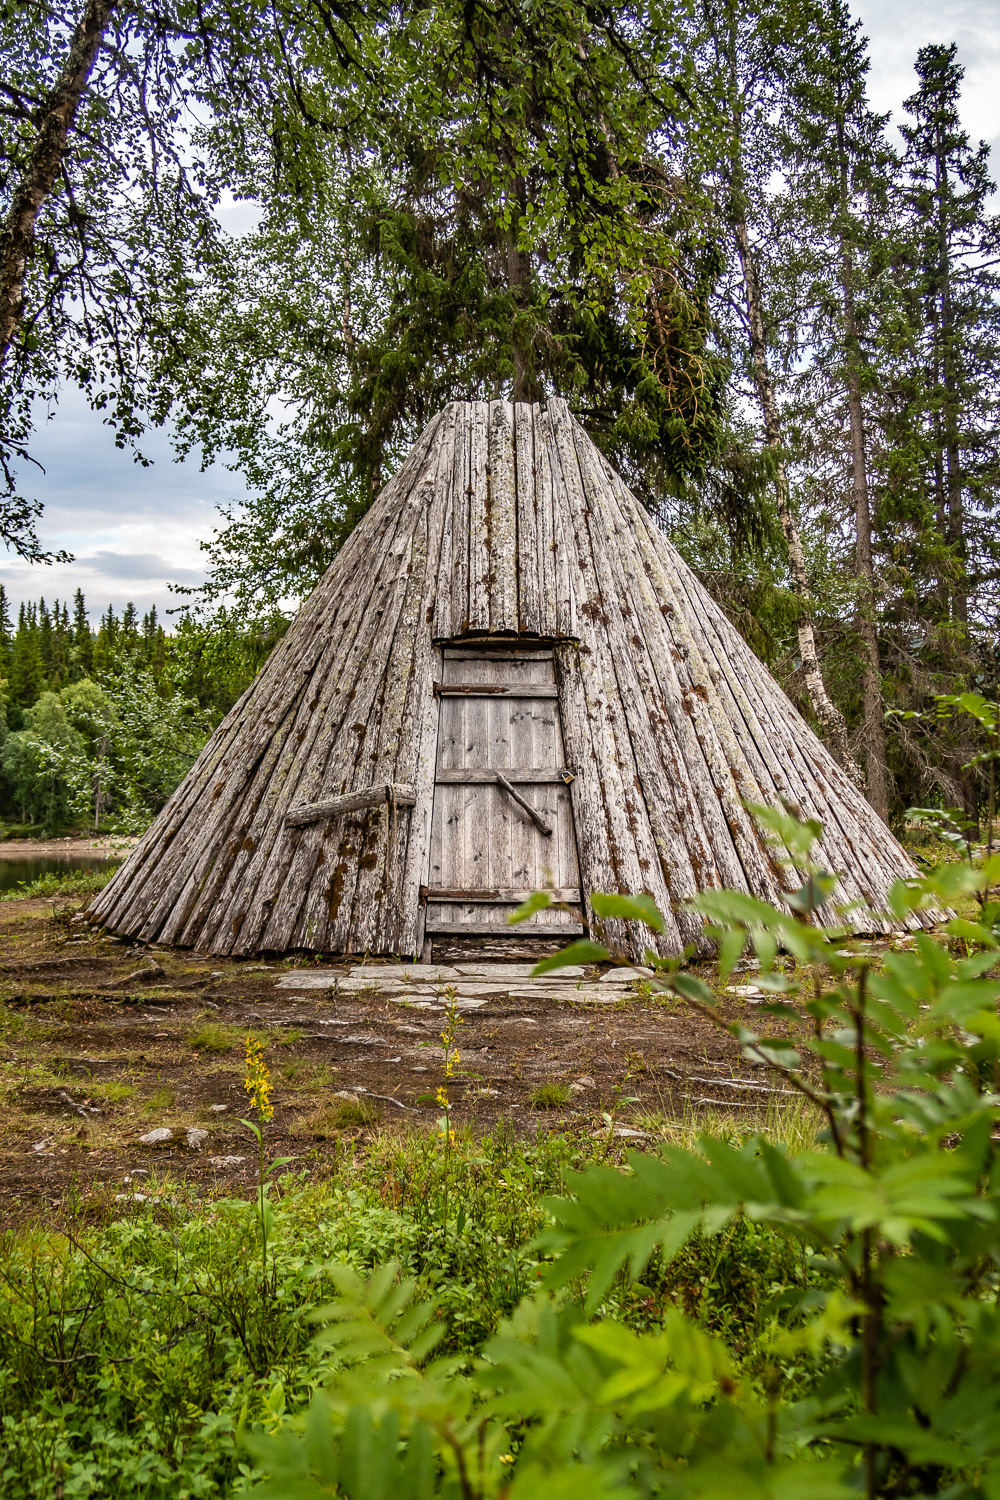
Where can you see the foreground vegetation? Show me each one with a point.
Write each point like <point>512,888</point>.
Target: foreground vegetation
<point>132,1351</point>
<point>804,1310</point>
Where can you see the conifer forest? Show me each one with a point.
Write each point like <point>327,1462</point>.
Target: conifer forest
<point>611,1221</point>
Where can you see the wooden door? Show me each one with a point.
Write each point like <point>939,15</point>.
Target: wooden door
<point>499,723</point>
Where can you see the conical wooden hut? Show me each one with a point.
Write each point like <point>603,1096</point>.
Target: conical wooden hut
<point>507,678</point>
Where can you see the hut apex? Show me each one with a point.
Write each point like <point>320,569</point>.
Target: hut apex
<point>507,679</point>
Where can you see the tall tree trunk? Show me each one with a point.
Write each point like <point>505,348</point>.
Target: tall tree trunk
<point>952,456</point>
<point>826,711</point>
<point>56,117</point>
<point>526,387</point>
<point>874,714</point>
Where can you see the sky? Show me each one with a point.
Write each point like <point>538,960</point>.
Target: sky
<point>133,531</point>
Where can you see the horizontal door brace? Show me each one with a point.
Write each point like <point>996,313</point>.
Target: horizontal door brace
<point>370,796</point>
<point>500,896</point>
<point>498,690</point>
<point>502,930</point>
<point>519,775</point>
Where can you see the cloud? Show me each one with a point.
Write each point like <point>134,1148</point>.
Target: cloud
<point>143,566</point>
<point>131,530</point>
<point>897,29</point>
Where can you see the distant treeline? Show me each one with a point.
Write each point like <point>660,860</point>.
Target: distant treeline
<point>97,726</point>
<point>50,648</point>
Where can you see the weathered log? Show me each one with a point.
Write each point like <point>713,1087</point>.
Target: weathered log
<point>371,796</point>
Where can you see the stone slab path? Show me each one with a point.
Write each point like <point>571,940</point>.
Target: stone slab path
<point>474,985</point>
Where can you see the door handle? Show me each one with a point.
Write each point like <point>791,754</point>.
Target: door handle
<point>539,822</point>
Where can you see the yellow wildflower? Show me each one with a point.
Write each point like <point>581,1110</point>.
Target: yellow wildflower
<point>258,1080</point>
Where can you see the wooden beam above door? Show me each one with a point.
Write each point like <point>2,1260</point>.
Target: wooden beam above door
<point>495,690</point>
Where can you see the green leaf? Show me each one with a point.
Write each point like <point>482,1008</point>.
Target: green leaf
<point>730,951</point>
<point>690,987</point>
<point>582,952</point>
<point>639,908</point>
<point>537,901</point>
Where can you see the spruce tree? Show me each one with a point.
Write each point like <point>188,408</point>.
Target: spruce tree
<point>6,633</point>
<point>57,669</point>
<point>27,669</point>
<point>954,407</point>
<point>83,643</point>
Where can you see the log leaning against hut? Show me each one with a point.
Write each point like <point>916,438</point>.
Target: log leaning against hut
<point>508,678</point>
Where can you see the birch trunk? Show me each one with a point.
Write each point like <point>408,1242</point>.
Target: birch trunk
<point>56,119</point>
<point>874,720</point>
<point>826,711</point>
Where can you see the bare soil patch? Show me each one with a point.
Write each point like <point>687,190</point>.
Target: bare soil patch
<point>103,1042</point>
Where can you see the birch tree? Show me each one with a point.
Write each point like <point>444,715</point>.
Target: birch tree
<point>742,87</point>
<point>832,248</point>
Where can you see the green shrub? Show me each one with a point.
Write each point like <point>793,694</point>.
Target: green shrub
<point>550,1096</point>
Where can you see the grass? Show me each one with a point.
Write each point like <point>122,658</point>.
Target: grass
<point>346,1114</point>
<point>550,1096</point>
<point>216,1038</point>
<point>793,1123</point>
<point>59,883</point>
<point>160,1099</point>
<point>17,1027</point>
<point>115,1091</point>
<point>300,1073</point>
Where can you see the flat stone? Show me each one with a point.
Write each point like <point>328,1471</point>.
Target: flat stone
<point>158,1137</point>
<point>226,1161</point>
<point>571,994</point>
<point>625,976</point>
<point>218,1109</point>
<point>308,979</point>
<point>499,971</point>
<point>417,973</point>
<point>390,987</point>
<point>420,1002</point>
<point>195,1138</point>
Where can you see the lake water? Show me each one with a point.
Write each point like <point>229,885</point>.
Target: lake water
<point>14,872</point>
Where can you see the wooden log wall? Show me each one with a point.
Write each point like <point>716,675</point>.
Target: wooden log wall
<point>501,521</point>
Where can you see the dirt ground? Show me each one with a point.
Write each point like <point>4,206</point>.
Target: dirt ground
<point>95,1053</point>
